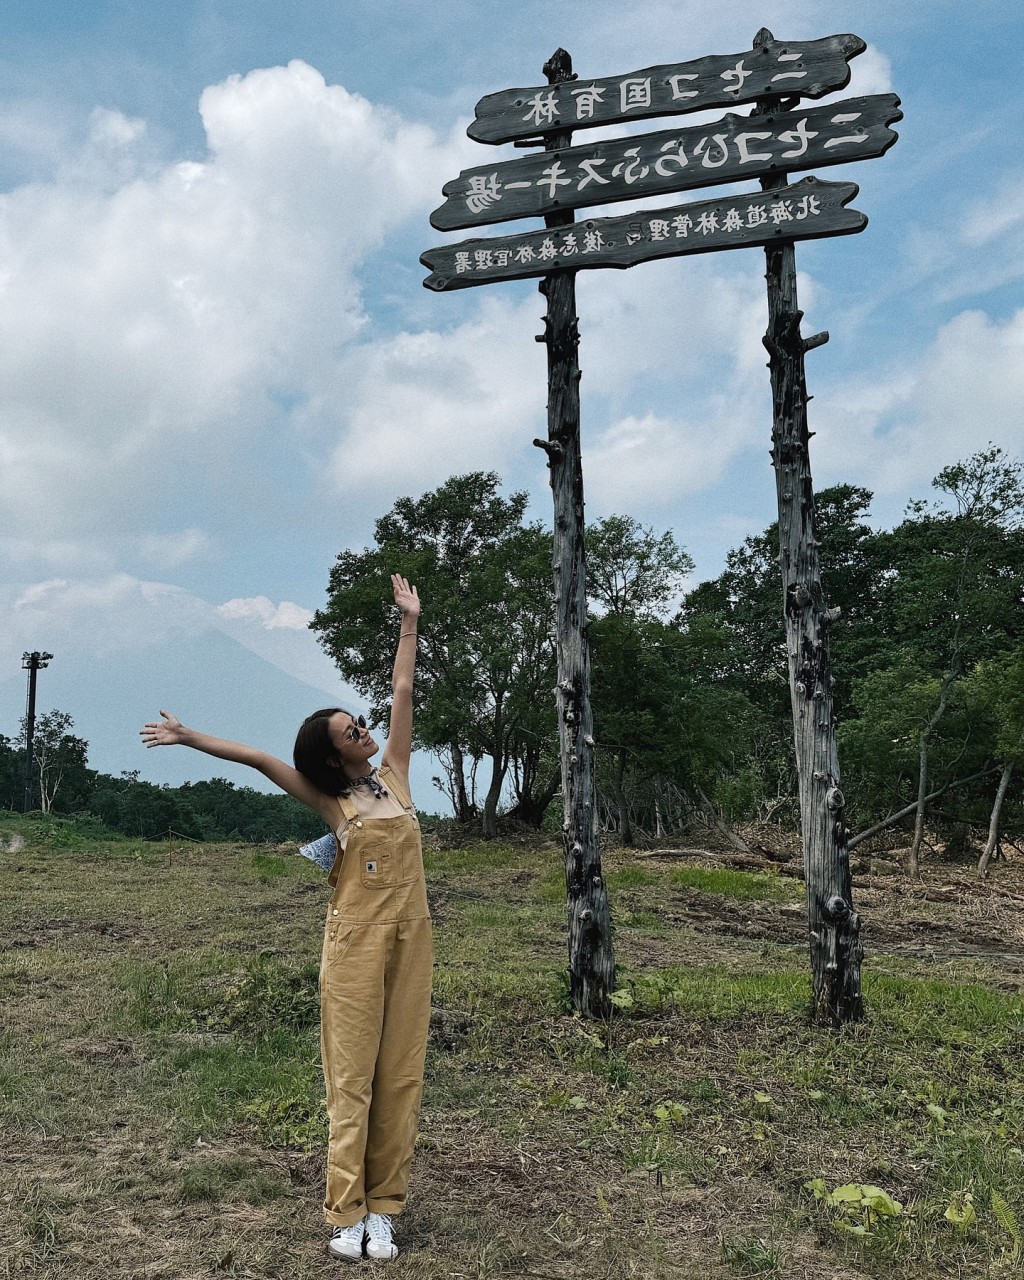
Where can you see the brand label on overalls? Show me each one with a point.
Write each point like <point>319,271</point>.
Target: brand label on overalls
<point>371,867</point>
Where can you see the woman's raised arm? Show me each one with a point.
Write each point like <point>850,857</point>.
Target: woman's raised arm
<point>399,749</point>
<point>171,732</point>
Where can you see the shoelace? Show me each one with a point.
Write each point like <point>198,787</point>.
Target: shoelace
<point>355,1229</point>
<point>378,1226</point>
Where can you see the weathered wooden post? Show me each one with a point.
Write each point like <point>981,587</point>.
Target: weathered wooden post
<point>836,948</point>
<point>591,958</point>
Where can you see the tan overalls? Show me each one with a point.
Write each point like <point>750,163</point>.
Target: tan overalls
<point>375,975</point>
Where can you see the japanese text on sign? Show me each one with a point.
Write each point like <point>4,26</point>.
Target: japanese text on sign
<point>735,148</point>
<point>810,208</point>
<point>636,95</point>
<point>565,244</point>
<point>808,68</point>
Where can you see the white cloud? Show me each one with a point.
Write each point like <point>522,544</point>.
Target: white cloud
<point>101,616</point>
<point>270,616</point>
<point>673,379</point>
<point>998,212</point>
<point>55,555</point>
<point>419,406</point>
<point>115,151</point>
<point>676,321</point>
<point>645,465</point>
<point>151,318</point>
<point>966,389</point>
<point>975,243</point>
<point>870,72</point>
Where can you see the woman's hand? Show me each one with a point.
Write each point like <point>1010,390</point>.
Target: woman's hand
<point>406,597</point>
<point>168,734</point>
<point>399,748</point>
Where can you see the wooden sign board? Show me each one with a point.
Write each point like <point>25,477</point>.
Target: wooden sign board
<point>803,68</point>
<point>732,149</point>
<point>804,211</point>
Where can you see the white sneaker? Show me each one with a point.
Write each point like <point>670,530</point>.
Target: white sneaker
<point>347,1242</point>
<point>379,1243</point>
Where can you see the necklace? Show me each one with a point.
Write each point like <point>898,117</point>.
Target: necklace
<point>372,783</point>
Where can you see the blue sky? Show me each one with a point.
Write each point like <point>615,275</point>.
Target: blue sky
<point>218,365</point>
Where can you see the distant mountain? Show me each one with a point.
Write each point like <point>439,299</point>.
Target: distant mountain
<point>211,682</point>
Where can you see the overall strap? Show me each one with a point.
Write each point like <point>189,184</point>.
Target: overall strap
<point>348,808</point>
<point>399,790</point>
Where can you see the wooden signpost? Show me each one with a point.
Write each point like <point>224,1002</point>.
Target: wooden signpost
<point>808,68</point>
<point>732,150</point>
<point>808,210</point>
<point>779,137</point>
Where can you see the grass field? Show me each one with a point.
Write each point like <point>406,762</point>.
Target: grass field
<point>162,1100</point>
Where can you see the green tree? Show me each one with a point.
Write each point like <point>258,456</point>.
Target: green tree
<point>631,571</point>
<point>486,668</point>
<point>210,810</point>
<point>143,809</point>
<point>746,600</point>
<point>670,720</point>
<point>633,576</point>
<point>999,682</point>
<point>671,725</point>
<point>952,583</point>
<point>881,744</point>
<point>740,616</point>
<point>12,774</point>
<point>635,706</point>
<point>59,758</point>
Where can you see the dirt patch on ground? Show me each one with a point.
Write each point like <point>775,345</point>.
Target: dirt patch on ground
<point>950,914</point>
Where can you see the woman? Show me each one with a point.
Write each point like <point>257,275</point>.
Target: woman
<point>377,953</point>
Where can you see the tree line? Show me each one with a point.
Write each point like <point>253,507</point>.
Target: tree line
<point>690,688</point>
<point>64,785</point>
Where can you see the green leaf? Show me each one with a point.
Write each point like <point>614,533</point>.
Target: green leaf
<point>961,1211</point>
<point>622,999</point>
<point>849,1193</point>
<point>880,1201</point>
<point>1006,1218</point>
<point>671,1111</point>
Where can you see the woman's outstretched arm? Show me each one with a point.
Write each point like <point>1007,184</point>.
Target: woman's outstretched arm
<point>171,732</point>
<point>399,749</point>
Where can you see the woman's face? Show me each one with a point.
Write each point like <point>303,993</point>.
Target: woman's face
<point>353,743</point>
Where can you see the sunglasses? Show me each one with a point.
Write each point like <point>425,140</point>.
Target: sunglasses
<point>358,723</point>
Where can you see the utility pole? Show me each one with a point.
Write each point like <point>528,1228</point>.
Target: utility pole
<point>31,662</point>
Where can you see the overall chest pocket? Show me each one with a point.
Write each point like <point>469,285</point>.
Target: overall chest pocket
<point>380,863</point>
